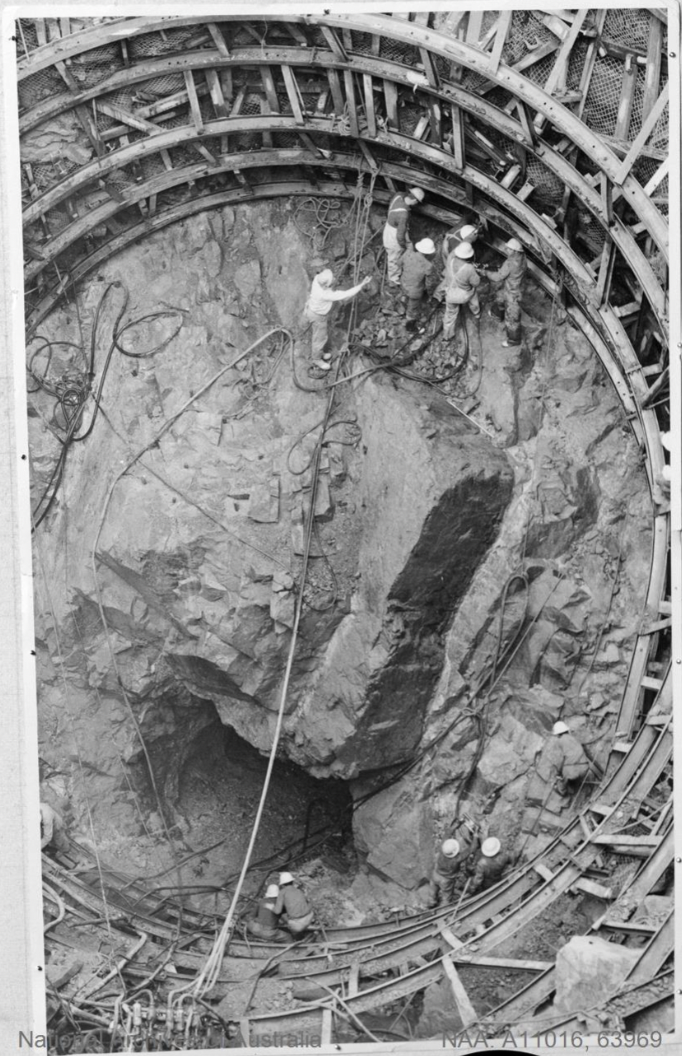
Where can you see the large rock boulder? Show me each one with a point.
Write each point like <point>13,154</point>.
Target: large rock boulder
<point>588,971</point>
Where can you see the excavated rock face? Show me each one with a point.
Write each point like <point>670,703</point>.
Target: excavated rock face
<point>188,540</point>
<point>195,550</point>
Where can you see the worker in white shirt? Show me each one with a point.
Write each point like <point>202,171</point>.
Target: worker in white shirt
<point>318,307</point>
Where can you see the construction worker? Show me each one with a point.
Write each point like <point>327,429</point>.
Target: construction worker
<point>451,857</point>
<point>293,902</point>
<point>396,231</point>
<point>318,307</point>
<point>489,866</point>
<point>568,760</point>
<point>467,232</point>
<point>460,283</point>
<point>264,924</point>
<point>508,294</point>
<point>52,830</point>
<point>417,277</point>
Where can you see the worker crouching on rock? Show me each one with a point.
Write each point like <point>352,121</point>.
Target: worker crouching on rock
<point>451,857</point>
<point>489,866</point>
<point>417,278</point>
<point>461,281</point>
<point>318,307</point>
<point>52,830</point>
<point>508,294</point>
<point>396,232</point>
<point>264,924</point>
<point>292,902</point>
<point>569,759</point>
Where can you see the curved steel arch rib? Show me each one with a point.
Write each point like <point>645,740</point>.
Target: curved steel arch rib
<point>406,33</point>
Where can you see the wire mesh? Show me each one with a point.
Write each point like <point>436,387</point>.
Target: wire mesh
<point>169,84</point>
<point>526,32</point>
<point>628,27</point>
<point>361,42</point>
<point>601,105</point>
<point>396,51</point>
<point>42,85</point>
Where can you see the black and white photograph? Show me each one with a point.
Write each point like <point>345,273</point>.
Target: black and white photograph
<point>344,498</point>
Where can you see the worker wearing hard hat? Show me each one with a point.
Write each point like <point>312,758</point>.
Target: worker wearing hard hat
<point>292,902</point>
<point>489,866</point>
<point>569,760</point>
<point>418,276</point>
<point>396,231</point>
<point>451,856</point>
<point>318,307</point>
<point>264,924</point>
<point>460,281</point>
<point>508,294</point>
<point>468,232</point>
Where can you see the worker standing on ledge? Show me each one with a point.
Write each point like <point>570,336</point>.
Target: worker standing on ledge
<point>460,282</point>
<point>508,295</point>
<point>490,865</point>
<point>318,307</point>
<point>569,760</point>
<point>293,902</point>
<point>418,276</point>
<point>52,830</point>
<point>396,232</point>
<point>264,924</point>
<point>468,232</point>
<point>451,857</point>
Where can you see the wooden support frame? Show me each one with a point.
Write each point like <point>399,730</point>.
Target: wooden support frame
<point>331,36</point>
<point>293,94</point>
<point>503,24</point>
<point>369,156</point>
<point>605,276</point>
<point>216,92</point>
<point>218,39</point>
<point>557,76</point>
<point>647,128</point>
<point>337,94</point>
<point>351,104</point>
<point>467,1012</point>
<point>627,99</point>
<point>474,25</point>
<point>270,89</point>
<point>607,198</point>
<point>266,134</point>
<point>368,89</point>
<point>653,66</point>
<point>458,148</point>
<point>391,99</point>
<point>658,177</point>
<point>435,121</point>
<point>430,68</point>
<point>194,102</point>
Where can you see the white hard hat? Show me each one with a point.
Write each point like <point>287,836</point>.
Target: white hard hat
<point>450,848</point>
<point>514,243</point>
<point>285,878</point>
<point>464,250</point>
<point>326,277</point>
<point>416,192</point>
<point>425,246</point>
<point>559,727</point>
<point>272,891</point>
<point>467,231</point>
<point>490,847</point>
